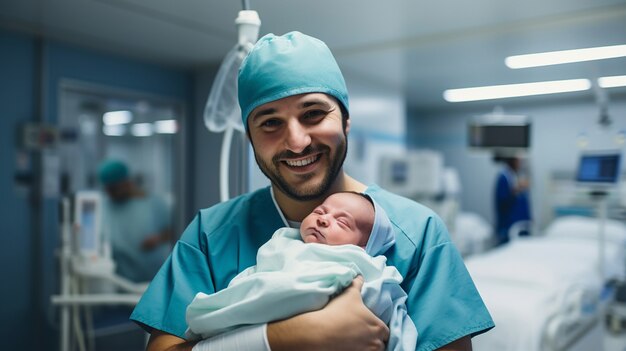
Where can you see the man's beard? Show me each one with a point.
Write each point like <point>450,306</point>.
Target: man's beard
<point>301,193</point>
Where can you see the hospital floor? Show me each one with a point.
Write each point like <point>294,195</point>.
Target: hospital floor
<point>615,329</point>
<point>615,342</point>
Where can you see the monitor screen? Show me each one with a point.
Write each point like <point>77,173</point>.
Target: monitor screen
<point>88,238</point>
<point>87,215</point>
<point>499,136</point>
<point>599,168</point>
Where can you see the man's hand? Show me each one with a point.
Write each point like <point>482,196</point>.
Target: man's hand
<point>151,242</point>
<point>522,185</point>
<point>344,324</point>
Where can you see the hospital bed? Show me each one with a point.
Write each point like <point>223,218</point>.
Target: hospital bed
<point>547,292</point>
<point>471,234</point>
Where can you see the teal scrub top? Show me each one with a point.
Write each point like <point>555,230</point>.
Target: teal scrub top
<point>222,241</point>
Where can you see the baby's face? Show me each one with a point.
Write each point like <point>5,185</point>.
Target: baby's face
<point>343,218</point>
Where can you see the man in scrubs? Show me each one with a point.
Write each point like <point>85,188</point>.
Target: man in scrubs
<point>136,224</point>
<point>295,107</point>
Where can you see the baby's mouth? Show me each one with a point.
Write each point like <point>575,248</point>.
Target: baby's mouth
<point>316,233</point>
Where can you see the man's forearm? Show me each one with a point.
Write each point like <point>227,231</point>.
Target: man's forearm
<point>161,341</point>
<point>462,344</point>
<point>287,334</point>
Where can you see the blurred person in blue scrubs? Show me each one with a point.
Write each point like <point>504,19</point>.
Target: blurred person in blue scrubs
<point>294,104</point>
<point>137,225</point>
<point>512,203</point>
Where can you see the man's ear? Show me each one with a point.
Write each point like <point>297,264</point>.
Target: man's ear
<point>347,125</point>
<point>248,135</point>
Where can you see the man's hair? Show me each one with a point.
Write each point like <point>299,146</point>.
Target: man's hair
<point>286,65</point>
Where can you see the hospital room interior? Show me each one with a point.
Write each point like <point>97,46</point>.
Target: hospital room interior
<point>506,118</point>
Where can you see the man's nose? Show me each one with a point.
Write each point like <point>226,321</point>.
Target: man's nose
<point>297,138</point>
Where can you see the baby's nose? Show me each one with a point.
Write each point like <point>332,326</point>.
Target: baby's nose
<point>322,220</point>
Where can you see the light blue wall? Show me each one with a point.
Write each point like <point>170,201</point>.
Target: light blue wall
<point>555,127</point>
<point>25,63</point>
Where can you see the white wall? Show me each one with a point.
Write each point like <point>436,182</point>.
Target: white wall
<point>378,127</point>
<point>555,135</point>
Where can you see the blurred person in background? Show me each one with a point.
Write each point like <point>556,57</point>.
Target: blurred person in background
<point>512,203</point>
<point>137,225</point>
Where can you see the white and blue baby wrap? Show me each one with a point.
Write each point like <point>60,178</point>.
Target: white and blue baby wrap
<point>292,277</point>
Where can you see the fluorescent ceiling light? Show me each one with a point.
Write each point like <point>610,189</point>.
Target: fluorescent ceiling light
<point>168,126</point>
<point>565,56</point>
<point>515,90</point>
<point>612,82</point>
<point>117,117</point>
<point>142,129</point>
<point>114,130</point>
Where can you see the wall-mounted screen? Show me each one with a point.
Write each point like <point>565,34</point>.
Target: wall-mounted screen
<point>599,167</point>
<point>87,217</point>
<point>499,135</point>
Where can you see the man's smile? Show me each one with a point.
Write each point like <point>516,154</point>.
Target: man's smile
<point>302,162</point>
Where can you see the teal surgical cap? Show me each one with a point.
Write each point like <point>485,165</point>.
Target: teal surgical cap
<point>287,65</point>
<point>112,171</point>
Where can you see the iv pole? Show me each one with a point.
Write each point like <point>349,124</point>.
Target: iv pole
<point>222,110</point>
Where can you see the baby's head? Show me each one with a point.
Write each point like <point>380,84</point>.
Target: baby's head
<point>343,218</point>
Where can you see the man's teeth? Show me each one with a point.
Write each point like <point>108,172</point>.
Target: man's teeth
<point>300,163</point>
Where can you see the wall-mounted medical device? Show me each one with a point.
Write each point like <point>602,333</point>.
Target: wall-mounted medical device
<point>416,173</point>
<point>499,132</point>
<point>87,217</point>
<point>599,168</point>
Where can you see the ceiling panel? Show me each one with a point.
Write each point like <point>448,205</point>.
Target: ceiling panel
<point>422,47</point>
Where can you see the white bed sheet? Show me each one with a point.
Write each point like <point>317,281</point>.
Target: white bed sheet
<point>529,281</point>
<point>550,261</point>
<point>472,234</point>
<point>587,228</point>
<point>515,311</point>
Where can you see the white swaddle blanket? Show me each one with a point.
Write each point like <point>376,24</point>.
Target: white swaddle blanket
<point>292,277</point>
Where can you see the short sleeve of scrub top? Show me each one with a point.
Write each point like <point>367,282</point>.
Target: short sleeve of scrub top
<point>443,301</point>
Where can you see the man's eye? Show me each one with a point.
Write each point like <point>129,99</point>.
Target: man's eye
<point>314,114</point>
<point>270,123</point>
